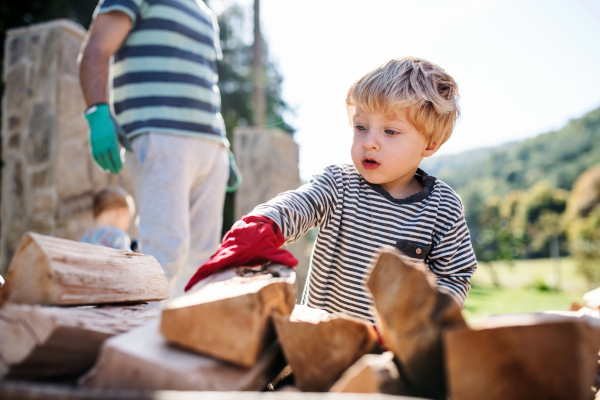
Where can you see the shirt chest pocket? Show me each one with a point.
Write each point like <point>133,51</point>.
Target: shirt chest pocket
<point>413,249</point>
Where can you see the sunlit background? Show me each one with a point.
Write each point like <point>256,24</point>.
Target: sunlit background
<point>523,67</point>
<point>524,157</point>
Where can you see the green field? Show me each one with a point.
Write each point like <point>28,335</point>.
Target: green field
<point>527,286</point>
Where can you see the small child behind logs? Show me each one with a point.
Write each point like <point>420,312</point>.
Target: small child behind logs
<point>113,209</point>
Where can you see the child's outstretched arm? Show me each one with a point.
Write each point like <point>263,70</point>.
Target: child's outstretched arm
<point>452,260</point>
<point>298,211</point>
<point>257,238</point>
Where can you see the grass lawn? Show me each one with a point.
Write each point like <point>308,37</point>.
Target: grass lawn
<point>524,287</point>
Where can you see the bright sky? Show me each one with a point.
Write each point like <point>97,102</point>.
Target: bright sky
<point>523,67</point>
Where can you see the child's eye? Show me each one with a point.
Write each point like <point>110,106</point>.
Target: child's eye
<point>360,127</point>
<point>391,132</point>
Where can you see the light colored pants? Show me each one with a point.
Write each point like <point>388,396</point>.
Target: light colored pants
<point>179,184</point>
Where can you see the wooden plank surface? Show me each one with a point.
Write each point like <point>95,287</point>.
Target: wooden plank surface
<point>52,271</point>
<point>15,390</point>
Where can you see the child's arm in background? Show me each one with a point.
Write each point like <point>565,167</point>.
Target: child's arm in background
<point>452,260</point>
<point>297,211</point>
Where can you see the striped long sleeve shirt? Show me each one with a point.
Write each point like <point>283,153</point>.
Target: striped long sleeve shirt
<point>356,219</point>
<point>165,72</point>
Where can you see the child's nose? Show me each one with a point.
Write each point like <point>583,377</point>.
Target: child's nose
<point>371,142</point>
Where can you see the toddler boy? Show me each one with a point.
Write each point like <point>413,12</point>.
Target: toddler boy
<point>113,209</point>
<point>401,112</point>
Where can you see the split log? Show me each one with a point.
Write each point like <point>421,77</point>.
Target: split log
<point>523,356</point>
<point>321,348</point>
<point>411,316</point>
<point>230,319</point>
<point>142,360</point>
<point>52,271</point>
<point>372,373</point>
<point>40,342</point>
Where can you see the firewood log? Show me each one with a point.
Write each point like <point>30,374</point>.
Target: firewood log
<point>39,342</point>
<point>411,316</point>
<point>523,356</point>
<point>143,360</point>
<point>320,348</point>
<point>52,271</point>
<point>372,373</point>
<point>229,317</point>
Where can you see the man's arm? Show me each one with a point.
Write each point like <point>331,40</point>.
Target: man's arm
<point>106,35</point>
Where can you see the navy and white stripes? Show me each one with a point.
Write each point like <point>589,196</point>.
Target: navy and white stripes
<point>358,219</point>
<point>165,73</point>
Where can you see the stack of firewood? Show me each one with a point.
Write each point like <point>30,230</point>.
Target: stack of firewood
<point>240,330</point>
<point>62,299</point>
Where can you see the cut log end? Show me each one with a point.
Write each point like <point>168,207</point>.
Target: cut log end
<point>319,351</point>
<point>231,319</point>
<point>52,271</point>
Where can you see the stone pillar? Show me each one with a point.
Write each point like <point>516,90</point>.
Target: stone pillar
<point>268,160</point>
<point>48,178</point>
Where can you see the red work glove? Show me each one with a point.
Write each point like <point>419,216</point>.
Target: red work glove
<point>253,243</point>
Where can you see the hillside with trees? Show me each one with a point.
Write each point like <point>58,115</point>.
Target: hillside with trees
<point>532,198</point>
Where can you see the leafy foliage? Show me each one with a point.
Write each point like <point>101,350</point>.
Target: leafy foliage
<point>583,221</point>
<point>556,157</point>
<point>235,75</point>
<point>523,187</point>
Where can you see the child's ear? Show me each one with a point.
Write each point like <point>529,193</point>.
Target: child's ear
<point>431,148</point>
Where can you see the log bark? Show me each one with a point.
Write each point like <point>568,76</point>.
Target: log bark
<point>41,342</point>
<point>52,271</point>
<point>411,316</point>
<point>230,319</point>
<point>142,360</point>
<point>523,356</point>
<point>372,373</point>
<point>320,348</point>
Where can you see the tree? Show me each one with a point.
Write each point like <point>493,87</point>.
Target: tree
<point>235,75</point>
<point>583,221</point>
<point>235,84</point>
<point>497,240</point>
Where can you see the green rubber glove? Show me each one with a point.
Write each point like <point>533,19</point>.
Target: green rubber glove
<point>104,145</point>
<point>235,176</point>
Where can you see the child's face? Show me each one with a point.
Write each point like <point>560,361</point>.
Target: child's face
<point>388,150</point>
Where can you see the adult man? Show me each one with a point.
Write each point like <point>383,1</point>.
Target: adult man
<point>165,98</point>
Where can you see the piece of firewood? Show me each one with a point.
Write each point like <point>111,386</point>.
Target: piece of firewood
<point>411,316</point>
<point>143,360</point>
<point>230,319</point>
<point>39,341</point>
<point>372,373</point>
<point>523,356</point>
<point>319,348</point>
<point>52,271</point>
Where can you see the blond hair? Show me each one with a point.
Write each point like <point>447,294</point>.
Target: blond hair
<point>427,93</point>
<point>112,197</point>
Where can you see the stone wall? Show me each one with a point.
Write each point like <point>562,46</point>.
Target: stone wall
<point>268,160</point>
<point>48,178</point>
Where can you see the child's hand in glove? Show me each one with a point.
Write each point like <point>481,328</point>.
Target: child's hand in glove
<point>252,241</point>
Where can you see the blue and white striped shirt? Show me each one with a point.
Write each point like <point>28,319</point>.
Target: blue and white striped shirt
<point>165,74</point>
<point>357,219</point>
